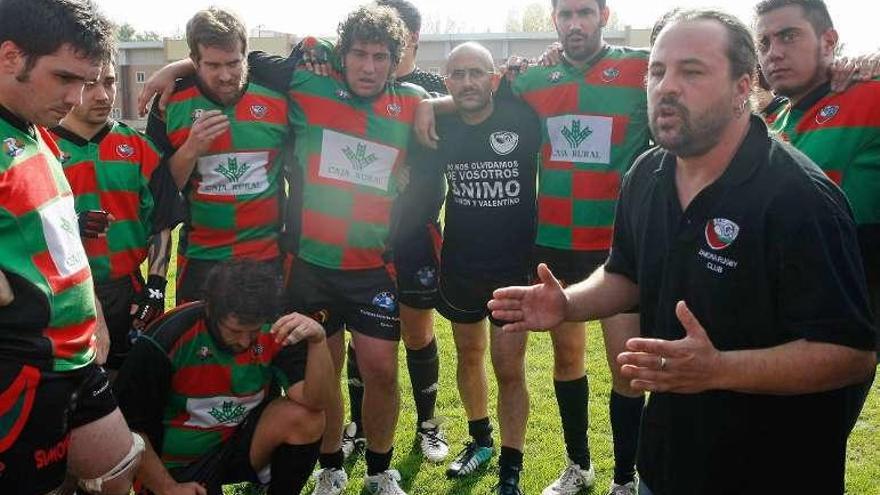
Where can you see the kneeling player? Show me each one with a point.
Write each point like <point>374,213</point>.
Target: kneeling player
<point>488,153</point>
<point>203,386</point>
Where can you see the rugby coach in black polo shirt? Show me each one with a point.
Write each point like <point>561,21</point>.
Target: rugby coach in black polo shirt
<point>758,344</point>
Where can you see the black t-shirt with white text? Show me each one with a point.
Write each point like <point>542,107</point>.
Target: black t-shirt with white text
<point>490,171</point>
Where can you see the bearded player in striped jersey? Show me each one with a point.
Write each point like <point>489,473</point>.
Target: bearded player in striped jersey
<point>594,124</point>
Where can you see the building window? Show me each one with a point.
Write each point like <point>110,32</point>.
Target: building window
<point>434,70</point>
<point>140,76</point>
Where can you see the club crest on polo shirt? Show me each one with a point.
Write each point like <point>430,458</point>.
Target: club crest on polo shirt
<point>259,111</point>
<point>720,233</point>
<point>125,150</point>
<point>503,142</point>
<point>610,74</point>
<point>13,147</point>
<point>827,113</point>
<point>385,300</point>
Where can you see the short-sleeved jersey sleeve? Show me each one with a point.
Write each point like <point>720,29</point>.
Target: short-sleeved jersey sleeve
<point>821,281</point>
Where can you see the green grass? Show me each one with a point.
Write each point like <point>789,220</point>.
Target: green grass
<point>544,451</point>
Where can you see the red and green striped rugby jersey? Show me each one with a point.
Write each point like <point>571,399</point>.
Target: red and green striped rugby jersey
<point>112,172</point>
<point>841,133</point>
<point>594,123</point>
<point>350,150</point>
<point>51,325</point>
<point>233,194</point>
<point>203,389</point>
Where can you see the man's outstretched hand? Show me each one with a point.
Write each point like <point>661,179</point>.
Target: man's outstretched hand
<point>689,365</point>
<point>538,307</point>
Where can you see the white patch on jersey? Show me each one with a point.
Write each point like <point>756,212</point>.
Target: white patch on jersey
<point>61,229</point>
<point>580,138</point>
<point>356,160</point>
<point>209,412</point>
<point>234,173</point>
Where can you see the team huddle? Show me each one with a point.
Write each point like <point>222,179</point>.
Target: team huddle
<point>729,246</point>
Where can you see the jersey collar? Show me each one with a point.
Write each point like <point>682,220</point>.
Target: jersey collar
<point>78,140</point>
<point>813,97</point>
<point>16,121</point>
<point>591,62</point>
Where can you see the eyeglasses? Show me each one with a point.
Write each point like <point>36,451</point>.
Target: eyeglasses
<point>474,74</point>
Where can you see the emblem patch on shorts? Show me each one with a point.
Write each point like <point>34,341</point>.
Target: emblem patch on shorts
<point>827,113</point>
<point>427,276</point>
<point>720,233</point>
<point>504,142</point>
<point>385,300</point>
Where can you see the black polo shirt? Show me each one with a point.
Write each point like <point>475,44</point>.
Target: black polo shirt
<point>765,255</point>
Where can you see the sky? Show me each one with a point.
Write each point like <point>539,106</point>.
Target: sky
<point>856,20</point>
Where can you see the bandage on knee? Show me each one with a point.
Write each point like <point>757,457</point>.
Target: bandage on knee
<point>128,462</point>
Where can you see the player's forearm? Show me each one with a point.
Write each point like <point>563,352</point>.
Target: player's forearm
<point>181,164</point>
<point>159,253</point>
<point>601,295</point>
<point>152,472</point>
<point>320,376</point>
<point>443,105</point>
<point>799,367</point>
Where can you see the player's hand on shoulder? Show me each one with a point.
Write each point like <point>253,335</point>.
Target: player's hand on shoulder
<point>315,58</point>
<point>552,55</point>
<point>514,66</point>
<point>293,328</point>
<point>424,125</point>
<point>846,71</point>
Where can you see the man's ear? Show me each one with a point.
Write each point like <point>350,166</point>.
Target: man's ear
<point>829,40</point>
<point>12,58</point>
<point>604,15</point>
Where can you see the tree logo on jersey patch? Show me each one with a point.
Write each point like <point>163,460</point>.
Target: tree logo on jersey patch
<point>229,412</point>
<point>68,227</point>
<point>610,74</point>
<point>259,111</point>
<point>359,159</point>
<point>720,233</point>
<point>125,151</point>
<point>343,95</point>
<point>426,276</point>
<point>503,142</point>
<point>385,300</point>
<point>393,109</point>
<point>232,170</point>
<point>574,134</point>
<point>827,113</point>
<point>13,147</point>
<point>555,76</point>
<point>196,114</point>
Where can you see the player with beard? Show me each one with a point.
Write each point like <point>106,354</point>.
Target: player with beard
<point>416,250</point>
<point>222,135</point>
<point>839,131</point>
<point>593,125</point>
<point>744,260</point>
<point>117,174</point>
<point>57,413</point>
